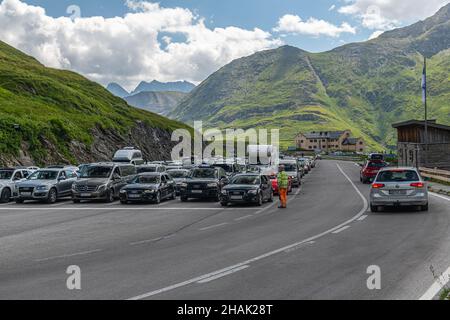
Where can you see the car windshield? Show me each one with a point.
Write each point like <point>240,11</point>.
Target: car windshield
<point>203,173</point>
<point>376,164</point>
<point>178,174</point>
<point>252,180</point>
<point>398,176</point>
<point>147,180</point>
<point>44,175</point>
<point>146,169</point>
<point>289,167</point>
<point>96,172</point>
<point>6,174</point>
<point>227,167</point>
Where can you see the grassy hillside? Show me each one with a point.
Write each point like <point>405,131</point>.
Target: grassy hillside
<point>59,109</point>
<point>364,86</point>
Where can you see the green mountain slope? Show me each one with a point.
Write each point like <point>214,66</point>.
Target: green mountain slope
<point>49,115</point>
<point>160,102</point>
<point>362,86</point>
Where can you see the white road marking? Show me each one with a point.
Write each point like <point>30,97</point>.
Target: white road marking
<point>221,275</point>
<point>125,208</point>
<point>437,286</point>
<point>214,226</point>
<point>244,217</point>
<point>439,196</point>
<point>300,246</point>
<point>68,255</point>
<point>341,229</point>
<point>263,256</point>
<point>362,217</point>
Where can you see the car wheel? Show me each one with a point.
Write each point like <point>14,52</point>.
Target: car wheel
<point>373,208</point>
<point>224,204</point>
<point>110,196</point>
<point>259,202</point>
<point>424,208</point>
<point>271,197</point>
<point>6,196</point>
<point>158,198</point>
<point>52,196</point>
<point>184,199</point>
<point>76,201</point>
<point>174,195</point>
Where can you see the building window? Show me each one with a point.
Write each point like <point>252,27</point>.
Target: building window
<point>360,142</point>
<point>301,141</point>
<point>310,147</point>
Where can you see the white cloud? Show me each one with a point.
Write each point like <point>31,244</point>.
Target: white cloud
<point>376,34</point>
<point>332,7</point>
<point>294,24</point>
<point>388,14</point>
<point>126,49</point>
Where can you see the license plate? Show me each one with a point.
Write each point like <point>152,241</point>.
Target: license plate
<point>134,196</point>
<point>397,192</point>
<point>85,195</point>
<point>25,193</point>
<point>197,191</point>
<point>236,197</point>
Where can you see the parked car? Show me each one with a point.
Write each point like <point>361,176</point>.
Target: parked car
<point>47,185</point>
<point>247,188</point>
<point>9,178</point>
<point>370,170</point>
<point>129,155</point>
<point>154,167</point>
<point>376,157</point>
<point>306,164</point>
<point>102,181</point>
<point>204,182</point>
<point>148,187</point>
<point>395,187</point>
<point>292,169</point>
<point>179,176</point>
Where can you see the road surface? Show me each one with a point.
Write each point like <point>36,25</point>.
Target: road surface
<point>319,248</point>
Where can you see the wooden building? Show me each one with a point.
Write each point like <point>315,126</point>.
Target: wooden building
<point>412,150</point>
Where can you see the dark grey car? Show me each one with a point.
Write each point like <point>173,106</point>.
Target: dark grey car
<point>102,181</point>
<point>46,185</point>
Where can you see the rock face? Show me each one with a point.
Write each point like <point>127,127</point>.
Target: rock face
<point>361,86</point>
<point>158,102</point>
<point>50,116</point>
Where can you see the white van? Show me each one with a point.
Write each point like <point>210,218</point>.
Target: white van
<point>129,155</point>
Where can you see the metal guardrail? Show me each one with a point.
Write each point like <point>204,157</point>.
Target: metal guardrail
<point>441,175</point>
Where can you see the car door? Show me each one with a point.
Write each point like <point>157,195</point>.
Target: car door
<point>61,183</point>
<point>71,177</point>
<point>16,178</point>
<point>265,187</point>
<point>117,180</point>
<point>170,184</point>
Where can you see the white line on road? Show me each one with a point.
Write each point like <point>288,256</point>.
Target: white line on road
<point>221,275</point>
<point>68,255</point>
<point>341,229</point>
<point>437,286</point>
<point>244,217</point>
<point>214,226</point>
<point>362,217</point>
<point>439,196</point>
<point>263,256</point>
<point>76,208</point>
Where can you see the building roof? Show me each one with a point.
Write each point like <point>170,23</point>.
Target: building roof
<point>431,123</point>
<point>324,134</point>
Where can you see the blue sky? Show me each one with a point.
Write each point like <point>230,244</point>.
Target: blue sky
<point>170,40</point>
<point>246,14</point>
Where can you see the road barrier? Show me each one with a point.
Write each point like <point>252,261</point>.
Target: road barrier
<point>436,174</point>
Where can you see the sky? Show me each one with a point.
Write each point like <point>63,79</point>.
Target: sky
<point>127,41</point>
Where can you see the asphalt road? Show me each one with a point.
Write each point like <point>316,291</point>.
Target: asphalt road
<point>319,248</point>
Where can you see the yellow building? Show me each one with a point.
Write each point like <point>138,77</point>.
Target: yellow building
<point>329,141</point>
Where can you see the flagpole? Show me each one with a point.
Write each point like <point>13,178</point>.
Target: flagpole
<point>426,111</point>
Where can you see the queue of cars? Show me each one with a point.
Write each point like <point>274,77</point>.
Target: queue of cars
<point>130,180</point>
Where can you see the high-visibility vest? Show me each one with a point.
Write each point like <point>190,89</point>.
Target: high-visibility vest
<point>283,180</point>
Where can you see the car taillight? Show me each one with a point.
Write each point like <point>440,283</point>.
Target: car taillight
<point>378,185</point>
<point>417,185</point>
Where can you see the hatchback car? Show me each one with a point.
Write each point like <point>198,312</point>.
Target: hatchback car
<point>395,187</point>
<point>370,170</point>
<point>247,188</point>
<point>46,185</point>
<point>148,187</point>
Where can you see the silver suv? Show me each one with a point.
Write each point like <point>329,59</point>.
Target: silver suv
<point>46,185</point>
<point>395,187</point>
<point>9,177</point>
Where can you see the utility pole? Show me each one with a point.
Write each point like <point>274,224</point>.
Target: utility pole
<point>424,96</point>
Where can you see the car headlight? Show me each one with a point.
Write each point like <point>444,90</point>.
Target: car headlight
<point>42,188</point>
<point>224,192</point>
<point>253,191</point>
<point>183,185</point>
<point>149,191</point>
<point>123,191</point>
<point>212,185</point>
<point>102,187</point>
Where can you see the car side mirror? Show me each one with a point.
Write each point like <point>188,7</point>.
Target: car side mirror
<point>61,178</point>
<point>116,177</point>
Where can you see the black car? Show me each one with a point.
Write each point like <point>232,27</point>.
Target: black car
<point>148,187</point>
<point>204,182</point>
<point>247,188</point>
<point>179,176</point>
